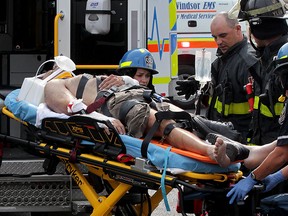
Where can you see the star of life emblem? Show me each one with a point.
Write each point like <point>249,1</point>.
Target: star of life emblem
<point>149,62</point>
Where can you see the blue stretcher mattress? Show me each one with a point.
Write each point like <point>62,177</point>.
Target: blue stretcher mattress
<point>27,112</point>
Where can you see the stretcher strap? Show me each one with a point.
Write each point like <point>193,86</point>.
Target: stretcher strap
<point>163,189</point>
<point>81,86</point>
<point>148,138</point>
<point>103,96</point>
<point>159,117</point>
<point>124,158</point>
<point>95,105</point>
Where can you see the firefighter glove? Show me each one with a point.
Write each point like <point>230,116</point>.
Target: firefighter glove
<point>187,87</point>
<point>240,190</point>
<point>272,180</point>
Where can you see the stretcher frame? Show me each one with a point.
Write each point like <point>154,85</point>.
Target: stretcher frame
<point>121,176</point>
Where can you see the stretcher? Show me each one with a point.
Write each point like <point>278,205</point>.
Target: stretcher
<point>115,162</point>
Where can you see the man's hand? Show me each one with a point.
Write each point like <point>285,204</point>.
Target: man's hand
<point>112,80</point>
<point>241,189</point>
<point>272,180</point>
<point>117,125</point>
<point>187,87</point>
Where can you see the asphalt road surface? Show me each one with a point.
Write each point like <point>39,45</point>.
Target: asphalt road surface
<point>172,198</point>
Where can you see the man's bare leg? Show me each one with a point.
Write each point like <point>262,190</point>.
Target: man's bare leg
<point>57,96</point>
<point>258,154</point>
<point>179,137</point>
<point>60,92</point>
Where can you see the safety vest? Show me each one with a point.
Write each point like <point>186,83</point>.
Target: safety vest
<point>264,110</point>
<point>232,108</point>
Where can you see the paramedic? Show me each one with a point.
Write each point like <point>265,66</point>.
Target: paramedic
<point>268,31</point>
<point>136,63</point>
<point>230,73</point>
<point>266,171</point>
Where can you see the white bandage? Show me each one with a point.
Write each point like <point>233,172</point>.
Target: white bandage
<point>76,106</point>
<point>98,116</point>
<point>130,81</point>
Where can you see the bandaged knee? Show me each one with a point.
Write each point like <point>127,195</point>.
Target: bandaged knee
<point>78,107</point>
<point>168,129</point>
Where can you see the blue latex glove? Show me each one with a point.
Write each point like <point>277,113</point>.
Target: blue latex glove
<point>272,180</point>
<point>239,191</point>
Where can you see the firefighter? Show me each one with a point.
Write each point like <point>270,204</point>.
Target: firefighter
<point>140,65</point>
<point>267,171</point>
<point>137,64</point>
<point>230,72</point>
<point>268,31</point>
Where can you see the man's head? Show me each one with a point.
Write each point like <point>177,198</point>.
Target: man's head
<point>225,31</point>
<point>265,19</point>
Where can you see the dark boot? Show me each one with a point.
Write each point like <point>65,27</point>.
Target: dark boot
<point>204,127</point>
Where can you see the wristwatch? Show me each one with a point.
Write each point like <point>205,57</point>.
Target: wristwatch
<point>254,177</point>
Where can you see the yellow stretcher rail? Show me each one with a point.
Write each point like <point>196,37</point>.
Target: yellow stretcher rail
<point>11,115</point>
<point>58,17</point>
<point>96,66</point>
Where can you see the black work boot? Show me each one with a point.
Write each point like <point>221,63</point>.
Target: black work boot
<point>205,126</point>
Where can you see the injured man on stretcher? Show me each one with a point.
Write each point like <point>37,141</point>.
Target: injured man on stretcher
<point>131,114</point>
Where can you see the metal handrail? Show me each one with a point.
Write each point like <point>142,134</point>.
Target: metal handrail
<point>56,47</point>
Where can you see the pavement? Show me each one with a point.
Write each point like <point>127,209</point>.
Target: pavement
<point>172,198</point>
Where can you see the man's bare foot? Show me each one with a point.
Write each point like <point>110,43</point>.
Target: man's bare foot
<point>220,153</point>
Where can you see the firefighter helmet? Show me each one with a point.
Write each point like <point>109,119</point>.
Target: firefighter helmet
<point>262,8</point>
<point>281,60</point>
<point>281,69</point>
<point>138,58</point>
<point>266,17</point>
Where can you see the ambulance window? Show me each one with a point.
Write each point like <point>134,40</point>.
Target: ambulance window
<point>3,14</point>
